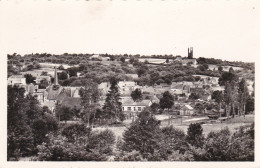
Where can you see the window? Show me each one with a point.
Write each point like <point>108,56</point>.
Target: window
<point>129,108</point>
<point>139,108</point>
<point>134,108</point>
<point>123,108</point>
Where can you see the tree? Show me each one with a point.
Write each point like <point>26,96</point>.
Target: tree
<point>63,113</point>
<point>166,102</point>
<point>122,59</point>
<point>250,105</point>
<point>154,76</point>
<point>174,140</point>
<point>218,96</point>
<point>89,96</point>
<point>43,84</point>
<point>29,78</point>
<point>220,68</point>
<point>154,108</point>
<point>167,60</point>
<point>137,95</point>
<point>141,70</point>
<point>143,135</point>
<point>113,107</point>
<point>227,77</point>
<point>63,75</point>
<point>74,131</point>
<point>203,67</point>
<point>194,135</point>
<point>242,96</point>
<point>230,81</point>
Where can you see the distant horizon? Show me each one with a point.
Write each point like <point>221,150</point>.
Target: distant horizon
<point>132,55</point>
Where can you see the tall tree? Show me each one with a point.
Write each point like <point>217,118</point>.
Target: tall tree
<point>89,97</point>
<point>166,102</point>
<point>143,135</point>
<point>218,97</point>
<point>113,107</point>
<point>242,96</point>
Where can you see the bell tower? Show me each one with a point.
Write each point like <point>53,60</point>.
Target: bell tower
<point>190,53</point>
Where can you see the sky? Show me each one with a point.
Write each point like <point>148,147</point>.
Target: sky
<point>227,30</point>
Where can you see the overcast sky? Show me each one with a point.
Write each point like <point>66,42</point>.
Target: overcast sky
<point>227,30</point>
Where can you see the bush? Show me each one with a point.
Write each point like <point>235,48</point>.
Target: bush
<point>102,141</point>
<point>174,140</point>
<point>74,131</point>
<point>194,135</point>
<point>222,146</point>
<point>60,149</point>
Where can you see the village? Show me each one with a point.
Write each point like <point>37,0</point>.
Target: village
<point>193,100</point>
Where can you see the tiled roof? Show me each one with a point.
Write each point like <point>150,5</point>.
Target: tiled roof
<point>72,102</point>
<point>53,94</point>
<point>130,102</point>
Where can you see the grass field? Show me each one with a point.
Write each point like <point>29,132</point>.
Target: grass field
<point>233,124</point>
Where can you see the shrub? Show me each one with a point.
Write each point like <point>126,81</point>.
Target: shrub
<point>74,131</point>
<point>194,135</point>
<point>60,149</point>
<point>102,141</point>
<point>222,146</point>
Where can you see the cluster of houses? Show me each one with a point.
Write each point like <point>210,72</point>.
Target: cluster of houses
<point>56,94</point>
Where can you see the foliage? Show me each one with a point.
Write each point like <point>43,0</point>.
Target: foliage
<point>89,96</point>
<point>29,78</point>
<point>227,77</point>
<point>137,95</point>
<point>63,75</point>
<point>195,135</point>
<point>93,146</point>
<point>222,146</point>
<point>113,107</point>
<point>74,131</point>
<point>63,113</point>
<point>167,101</point>
<point>250,104</point>
<point>43,84</point>
<point>194,96</point>
<point>102,141</point>
<point>143,135</point>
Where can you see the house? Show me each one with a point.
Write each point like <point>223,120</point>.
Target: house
<point>16,80</point>
<point>126,87</point>
<point>131,108</point>
<point>133,76</point>
<point>191,61</point>
<point>98,57</point>
<point>186,110</point>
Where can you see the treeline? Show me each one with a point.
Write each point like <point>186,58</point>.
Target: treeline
<point>220,62</point>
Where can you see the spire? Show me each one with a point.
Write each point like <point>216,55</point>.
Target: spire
<point>55,77</point>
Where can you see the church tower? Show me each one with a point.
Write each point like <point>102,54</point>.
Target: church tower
<point>56,82</point>
<point>56,77</point>
<point>190,53</point>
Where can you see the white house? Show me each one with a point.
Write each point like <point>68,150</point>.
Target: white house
<point>16,80</point>
<point>186,110</point>
<point>131,108</point>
